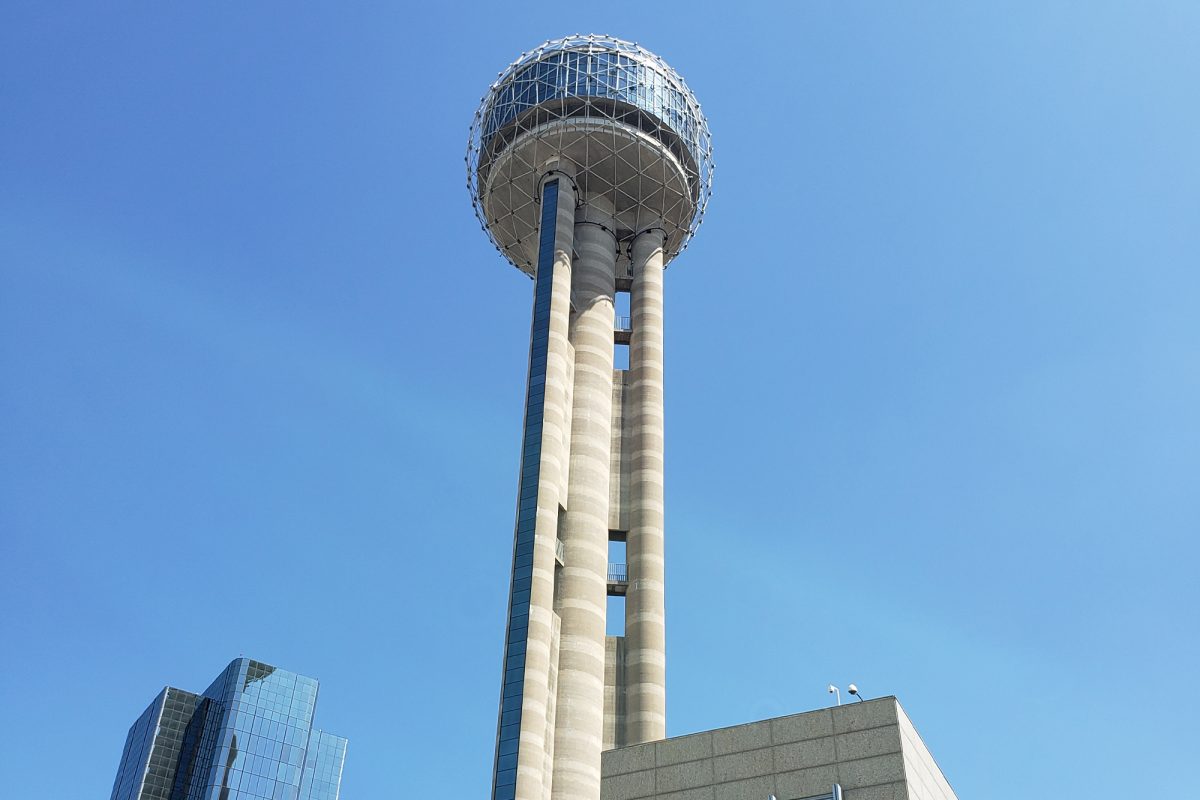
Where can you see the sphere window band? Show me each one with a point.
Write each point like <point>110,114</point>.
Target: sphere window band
<point>595,75</point>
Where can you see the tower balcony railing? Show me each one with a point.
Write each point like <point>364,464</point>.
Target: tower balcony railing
<point>560,550</point>
<point>618,580</point>
<point>622,330</point>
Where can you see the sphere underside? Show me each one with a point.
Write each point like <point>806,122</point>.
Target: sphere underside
<point>630,172</point>
<point>609,114</point>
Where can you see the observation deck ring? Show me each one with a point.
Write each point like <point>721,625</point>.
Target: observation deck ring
<point>637,176</point>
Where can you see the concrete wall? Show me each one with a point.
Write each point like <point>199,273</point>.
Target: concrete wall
<point>925,780</point>
<point>868,748</point>
<point>614,692</point>
<point>622,452</point>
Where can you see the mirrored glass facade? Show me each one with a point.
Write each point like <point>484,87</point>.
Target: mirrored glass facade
<point>153,747</point>
<point>249,735</point>
<point>323,767</point>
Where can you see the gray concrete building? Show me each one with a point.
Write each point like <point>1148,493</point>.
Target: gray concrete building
<point>857,751</point>
<point>590,168</point>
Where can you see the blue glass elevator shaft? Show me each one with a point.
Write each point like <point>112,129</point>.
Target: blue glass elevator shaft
<point>504,780</point>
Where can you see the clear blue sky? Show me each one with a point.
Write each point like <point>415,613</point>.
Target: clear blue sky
<point>933,378</point>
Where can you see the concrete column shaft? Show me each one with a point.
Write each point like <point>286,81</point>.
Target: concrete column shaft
<point>645,609</point>
<point>583,595</point>
<point>531,767</point>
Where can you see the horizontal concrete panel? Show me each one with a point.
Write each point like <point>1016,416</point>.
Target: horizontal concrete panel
<point>812,725</point>
<point>683,748</point>
<point>884,791</point>
<point>859,716</point>
<point>742,737</point>
<point>686,775</point>
<point>699,793</point>
<point>630,786</point>
<point>751,789</point>
<point>870,771</point>
<point>867,743</point>
<point>806,782</point>
<point>738,766</point>
<point>627,759</point>
<point>804,754</point>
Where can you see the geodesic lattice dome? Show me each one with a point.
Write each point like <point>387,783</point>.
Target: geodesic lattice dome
<point>626,124</point>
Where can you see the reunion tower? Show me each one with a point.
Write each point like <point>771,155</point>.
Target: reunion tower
<point>590,166</point>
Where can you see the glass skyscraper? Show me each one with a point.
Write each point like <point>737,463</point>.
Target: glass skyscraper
<point>249,736</point>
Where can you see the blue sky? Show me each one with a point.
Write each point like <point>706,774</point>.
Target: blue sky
<point>932,378</point>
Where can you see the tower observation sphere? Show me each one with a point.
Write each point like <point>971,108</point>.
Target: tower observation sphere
<point>620,116</point>
<point>590,167</point>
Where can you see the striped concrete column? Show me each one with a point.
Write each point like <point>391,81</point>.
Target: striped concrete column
<point>645,603</point>
<point>583,594</point>
<point>536,704</point>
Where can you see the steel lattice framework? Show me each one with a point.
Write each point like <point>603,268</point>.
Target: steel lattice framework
<point>609,114</point>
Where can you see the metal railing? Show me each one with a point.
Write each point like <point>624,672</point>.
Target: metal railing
<point>618,573</point>
<point>623,323</point>
<point>559,550</point>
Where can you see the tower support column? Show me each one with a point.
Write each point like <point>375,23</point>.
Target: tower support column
<point>526,704</point>
<point>583,592</point>
<point>645,611</point>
